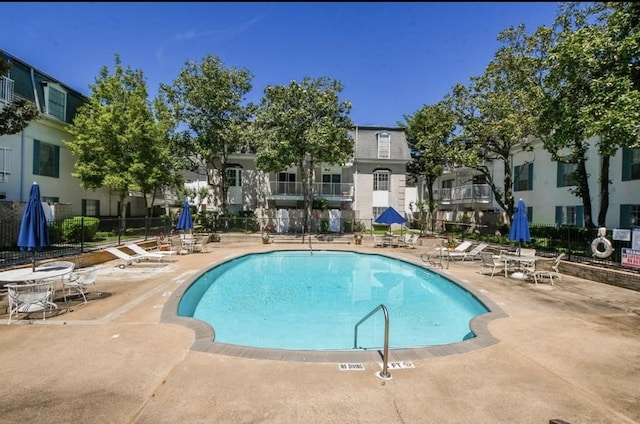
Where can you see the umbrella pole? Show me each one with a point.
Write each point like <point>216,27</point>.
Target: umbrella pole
<point>33,261</point>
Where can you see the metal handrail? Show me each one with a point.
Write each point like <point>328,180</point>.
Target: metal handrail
<point>385,372</point>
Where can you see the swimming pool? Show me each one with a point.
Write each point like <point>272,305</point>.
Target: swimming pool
<point>298,300</point>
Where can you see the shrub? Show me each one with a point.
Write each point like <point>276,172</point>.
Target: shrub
<point>80,228</point>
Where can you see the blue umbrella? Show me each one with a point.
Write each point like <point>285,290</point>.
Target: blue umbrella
<point>185,221</point>
<point>520,224</point>
<point>390,216</point>
<point>34,232</point>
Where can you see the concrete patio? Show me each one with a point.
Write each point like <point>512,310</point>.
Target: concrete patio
<point>569,351</point>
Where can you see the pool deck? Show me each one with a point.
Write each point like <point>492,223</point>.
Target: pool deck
<point>569,352</point>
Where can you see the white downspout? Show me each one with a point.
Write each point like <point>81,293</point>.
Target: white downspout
<point>35,92</point>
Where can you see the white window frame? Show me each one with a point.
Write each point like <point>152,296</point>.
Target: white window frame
<point>234,177</point>
<point>384,145</point>
<point>52,87</point>
<point>5,162</point>
<point>380,183</point>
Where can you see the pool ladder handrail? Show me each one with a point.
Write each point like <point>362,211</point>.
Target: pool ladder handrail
<point>385,369</point>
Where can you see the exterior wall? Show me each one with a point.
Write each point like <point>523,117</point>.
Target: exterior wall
<point>545,195</point>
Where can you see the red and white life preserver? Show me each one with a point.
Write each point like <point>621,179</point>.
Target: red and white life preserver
<point>595,247</point>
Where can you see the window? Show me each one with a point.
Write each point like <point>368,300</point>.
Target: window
<point>50,199</point>
<point>630,164</point>
<point>570,215</point>
<point>286,183</point>
<point>381,180</point>
<point>523,177</point>
<point>56,100</point>
<point>46,159</point>
<point>234,177</point>
<point>90,207</point>
<point>377,210</point>
<point>565,174</point>
<point>629,216</point>
<point>5,160</point>
<point>331,184</point>
<point>384,146</point>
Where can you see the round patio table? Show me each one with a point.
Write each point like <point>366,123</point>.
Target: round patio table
<point>26,275</point>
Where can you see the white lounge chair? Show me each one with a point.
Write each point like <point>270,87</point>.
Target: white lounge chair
<point>472,254</point>
<point>145,254</point>
<point>124,257</point>
<point>410,241</point>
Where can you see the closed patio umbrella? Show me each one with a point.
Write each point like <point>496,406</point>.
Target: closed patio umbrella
<point>34,232</point>
<point>185,222</point>
<point>520,225</point>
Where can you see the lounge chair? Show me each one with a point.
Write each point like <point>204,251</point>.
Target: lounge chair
<point>145,254</point>
<point>471,255</point>
<point>124,257</point>
<point>462,247</point>
<point>547,269</point>
<point>377,241</point>
<point>410,241</point>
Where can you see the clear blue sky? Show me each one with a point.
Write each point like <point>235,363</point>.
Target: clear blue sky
<point>392,57</point>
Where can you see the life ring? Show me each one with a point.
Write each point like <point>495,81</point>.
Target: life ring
<point>608,248</point>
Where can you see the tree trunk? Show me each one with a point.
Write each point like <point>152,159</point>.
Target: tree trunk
<point>604,191</point>
<point>584,193</point>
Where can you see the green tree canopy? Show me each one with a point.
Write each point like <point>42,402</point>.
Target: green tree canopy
<point>208,104</point>
<point>17,115</point>
<point>302,124</point>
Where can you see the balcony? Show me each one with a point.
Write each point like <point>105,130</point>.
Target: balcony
<point>6,90</point>
<point>341,192</point>
<point>465,195</point>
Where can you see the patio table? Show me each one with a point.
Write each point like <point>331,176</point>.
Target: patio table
<point>520,260</point>
<point>44,271</point>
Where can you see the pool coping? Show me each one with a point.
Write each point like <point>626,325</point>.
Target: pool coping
<point>205,334</point>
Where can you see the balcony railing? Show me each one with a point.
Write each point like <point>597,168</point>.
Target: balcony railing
<point>471,193</point>
<point>6,90</point>
<point>286,190</point>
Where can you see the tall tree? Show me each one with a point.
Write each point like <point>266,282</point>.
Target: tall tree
<point>209,105</point>
<point>496,112</point>
<point>303,124</point>
<point>592,89</point>
<point>17,115</point>
<point>429,132</point>
<point>117,141</point>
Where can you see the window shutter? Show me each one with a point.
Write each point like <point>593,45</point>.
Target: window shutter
<point>97,208</point>
<point>559,174</point>
<point>625,216</point>
<point>530,214</point>
<point>580,216</point>
<point>626,164</point>
<point>559,215</point>
<point>56,161</point>
<point>530,181</point>
<point>516,177</point>
<point>36,157</point>
<point>84,207</point>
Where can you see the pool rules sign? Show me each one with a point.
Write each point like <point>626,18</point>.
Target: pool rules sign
<point>631,257</point>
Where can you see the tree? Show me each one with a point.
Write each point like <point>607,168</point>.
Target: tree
<point>496,112</point>
<point>117,141</point>
<point>17,115</point>
<point>429,131</point>
<point>207,100</point>
<point>302,124</point>
<point>592,89</point>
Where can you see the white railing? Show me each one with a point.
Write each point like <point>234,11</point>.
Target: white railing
<point>6,90</point>
<point>465,194</point>
<point>319,189</point>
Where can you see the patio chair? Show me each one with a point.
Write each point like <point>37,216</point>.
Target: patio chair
<point>80,280</point>
<point>377,241</point>
<point>28,298</point>
<point>410,241</point>
<point>200,243</point>
<point>145,254</point>
<point>547,269</point>
<point>472,254</point>
<point>491,262</point>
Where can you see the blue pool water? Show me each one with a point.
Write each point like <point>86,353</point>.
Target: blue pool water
<point>302,301</point>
